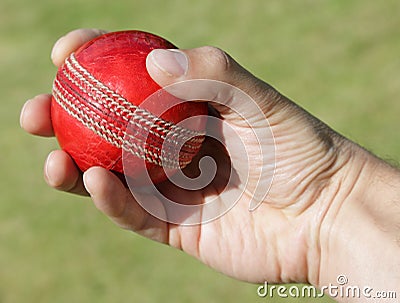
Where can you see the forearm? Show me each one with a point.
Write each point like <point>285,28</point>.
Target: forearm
<point>360,236</point>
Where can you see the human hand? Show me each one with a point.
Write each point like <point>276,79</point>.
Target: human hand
<point>284,239</point>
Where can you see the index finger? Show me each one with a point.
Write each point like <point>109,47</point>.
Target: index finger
<point>71,42</point>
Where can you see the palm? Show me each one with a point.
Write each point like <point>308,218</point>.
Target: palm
<point>233,242</point>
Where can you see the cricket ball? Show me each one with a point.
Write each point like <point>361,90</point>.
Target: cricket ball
<point>100,111</point>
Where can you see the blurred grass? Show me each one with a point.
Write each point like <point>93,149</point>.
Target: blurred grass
<point>338,59</point>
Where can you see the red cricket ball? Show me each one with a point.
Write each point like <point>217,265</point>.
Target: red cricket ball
<point>97,110</point>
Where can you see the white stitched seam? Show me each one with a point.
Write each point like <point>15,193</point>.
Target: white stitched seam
<point>112,138</point>
<point>125,106</point>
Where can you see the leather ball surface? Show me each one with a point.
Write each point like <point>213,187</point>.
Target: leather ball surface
<point>97,104</point>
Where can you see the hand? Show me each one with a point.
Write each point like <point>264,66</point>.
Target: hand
<point>286,238</point>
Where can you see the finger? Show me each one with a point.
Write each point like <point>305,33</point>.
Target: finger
<point>112,198</point>
<point>167,67</point>
<point>35,116</point>
<point>61,173</point>
<point>71,42</point>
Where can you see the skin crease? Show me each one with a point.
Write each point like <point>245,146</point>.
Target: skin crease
<point>330,201</point>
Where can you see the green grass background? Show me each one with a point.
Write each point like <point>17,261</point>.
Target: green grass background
<point>338,59</point>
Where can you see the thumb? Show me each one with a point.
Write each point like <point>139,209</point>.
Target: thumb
<point>243,101</point>
<point>168,67</point>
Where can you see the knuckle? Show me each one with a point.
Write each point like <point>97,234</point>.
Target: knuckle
<point>217,58</point>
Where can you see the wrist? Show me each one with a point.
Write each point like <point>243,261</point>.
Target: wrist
<point>360,233</point>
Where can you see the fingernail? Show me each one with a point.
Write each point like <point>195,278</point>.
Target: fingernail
<point>47,165</point>
<point>21,116</point>
<point>86,181</point>
<point>55,48</point>
<point>171,61</point>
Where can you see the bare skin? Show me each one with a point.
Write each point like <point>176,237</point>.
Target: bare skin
<point>333,208</point>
